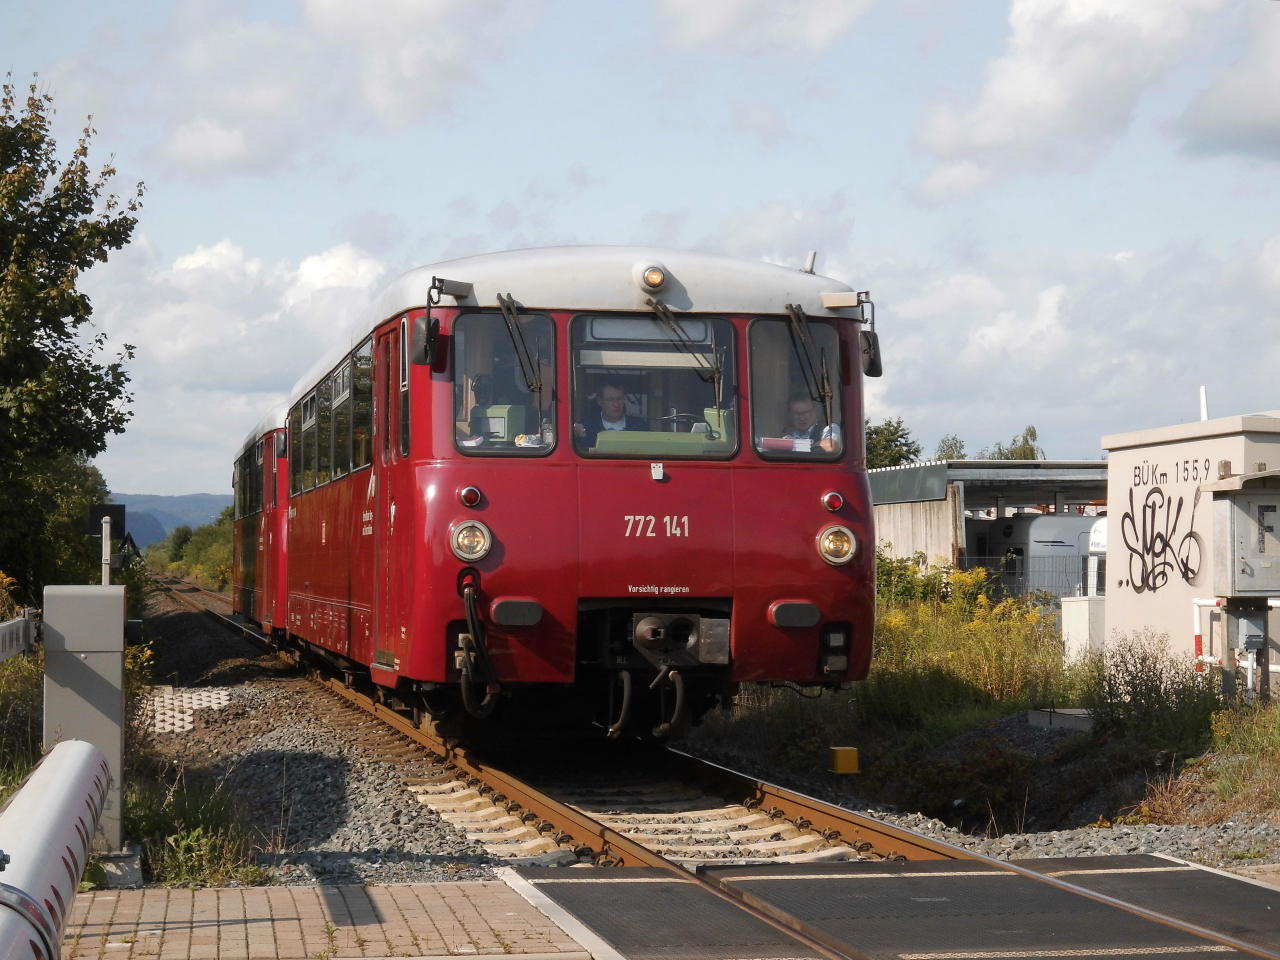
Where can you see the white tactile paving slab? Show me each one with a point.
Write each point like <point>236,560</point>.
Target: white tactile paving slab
<point>173,710</point>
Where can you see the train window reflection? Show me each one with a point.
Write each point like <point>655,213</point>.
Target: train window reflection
<point>504,385</point>
<point>295,451</point>
<point>362,406</point>
<point>324,420</point>
<point>309,442</point>
<point>341,420</point>
<point>648,387</point>
<point>795,392</point>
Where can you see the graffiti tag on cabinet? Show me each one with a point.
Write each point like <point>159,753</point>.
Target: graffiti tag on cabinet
<point>1157,550</point>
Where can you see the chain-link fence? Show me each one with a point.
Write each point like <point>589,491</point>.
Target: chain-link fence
<point>1018,576</point>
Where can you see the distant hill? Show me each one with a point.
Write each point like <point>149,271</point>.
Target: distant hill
<point>192,509</point>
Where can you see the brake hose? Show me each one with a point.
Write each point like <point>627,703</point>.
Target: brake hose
<point>476,653</point>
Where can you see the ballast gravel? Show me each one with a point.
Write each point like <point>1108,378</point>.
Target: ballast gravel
<point>1225,846</point>
<point>327,807</point>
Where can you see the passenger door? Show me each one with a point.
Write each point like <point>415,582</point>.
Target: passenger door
<point>386,349</point>
<point>393,476</point>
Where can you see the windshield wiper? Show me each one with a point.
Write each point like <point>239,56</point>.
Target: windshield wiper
<point>713,374</point>
<point>802,341</point>
<point>530,366</point>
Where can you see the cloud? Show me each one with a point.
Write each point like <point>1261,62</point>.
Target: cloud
<point>783,233</point>
<point>760,119</point>
<point>1062,93</point>
<point>756,26</point>
<point>1240,113</point>
<point>220,91</point>
<point>414,53</point>
<point>221,338</point>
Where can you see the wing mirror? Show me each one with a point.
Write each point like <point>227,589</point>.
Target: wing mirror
<point>426,329</point>
<point>869,340</point>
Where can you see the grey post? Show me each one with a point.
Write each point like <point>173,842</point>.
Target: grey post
<point>84,682</point>
<point>106,551</point>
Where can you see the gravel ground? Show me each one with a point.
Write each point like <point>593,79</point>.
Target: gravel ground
<point>1225,846</point>
<point>318,781</point>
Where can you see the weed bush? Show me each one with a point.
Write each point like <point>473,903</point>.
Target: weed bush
<point>188,834</point>
<point>1139,690</point>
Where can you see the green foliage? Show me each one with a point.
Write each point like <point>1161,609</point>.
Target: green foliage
<point>889,444</point>
<point>1020,448</point>
<point>203,555</point>
<point>950,447</point>
<point>188,835</point>
<point>60,397</point>
<point>55,222</point>
<point>902,579</point>
<point>178,541</point>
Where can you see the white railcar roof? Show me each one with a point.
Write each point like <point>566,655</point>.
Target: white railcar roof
<point>592,278</point>
<point>275,420</point>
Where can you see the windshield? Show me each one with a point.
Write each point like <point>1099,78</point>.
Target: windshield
<point>790,387</point>
<point>654,386</point>
<point>503,385</point>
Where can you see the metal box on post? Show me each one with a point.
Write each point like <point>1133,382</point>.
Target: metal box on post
<point>1246,550</point>
<point>84,682</point>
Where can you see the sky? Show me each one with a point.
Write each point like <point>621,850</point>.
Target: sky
<point>1067,211</point>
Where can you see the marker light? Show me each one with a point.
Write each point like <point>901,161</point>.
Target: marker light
<point>654,277</point>
<point>469,496</point>
<point>836,545</point>
<point>832,501</point>
<point>470,540</point>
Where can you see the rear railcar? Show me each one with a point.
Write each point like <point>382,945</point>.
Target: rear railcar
<point>260,506</point>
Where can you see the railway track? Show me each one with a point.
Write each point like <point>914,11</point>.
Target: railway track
<point>688,816</point>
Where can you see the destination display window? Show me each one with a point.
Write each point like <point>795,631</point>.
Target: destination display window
<point>658,385</point>
<point>796,401</point>
<point>504,377</point>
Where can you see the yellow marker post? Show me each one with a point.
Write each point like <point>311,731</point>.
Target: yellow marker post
<point>843,760</point>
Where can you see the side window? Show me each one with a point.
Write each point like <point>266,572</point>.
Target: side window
<point>309,442</point>
<point>324,432</point>
<point>237,487</point>
<point>295,451</point>
<point>256,506</point>
<point>362,406</point>
<point>342,420</point>
<point>404,388</point>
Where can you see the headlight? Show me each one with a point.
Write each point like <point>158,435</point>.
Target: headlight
<point>837,545</point>
<point>471,541</point>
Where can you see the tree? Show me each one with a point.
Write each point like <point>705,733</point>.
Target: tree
<point>889,444</point>
<point>60,396</point>
<point>950,447</point>
<point>1020,448</point>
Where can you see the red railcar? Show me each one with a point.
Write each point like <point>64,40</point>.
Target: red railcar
<point>555,476</point>
<point>260,479</point>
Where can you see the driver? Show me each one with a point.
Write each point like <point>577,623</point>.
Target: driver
<point>804,424</point>
<point>611,414</point>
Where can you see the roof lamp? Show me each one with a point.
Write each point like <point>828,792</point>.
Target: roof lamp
<point>654,277</point>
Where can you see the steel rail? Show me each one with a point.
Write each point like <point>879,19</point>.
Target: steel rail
<point>623,850</point>
<point>629,853</point>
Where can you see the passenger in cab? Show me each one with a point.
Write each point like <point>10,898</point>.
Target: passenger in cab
<point>611,414</point>
<point>805,415</point>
